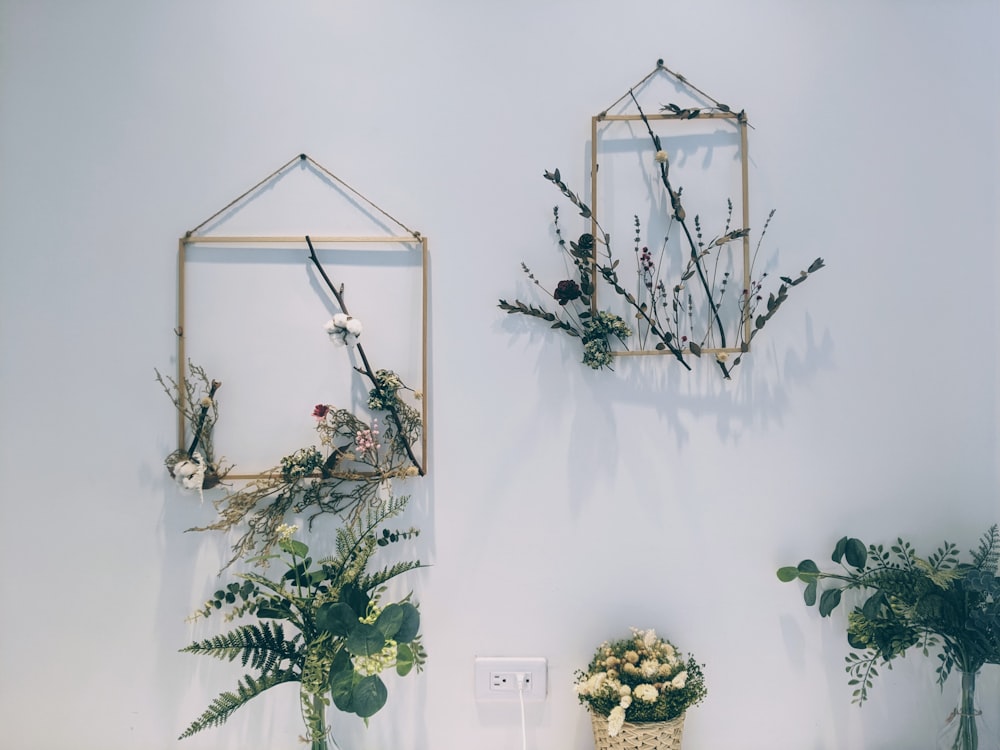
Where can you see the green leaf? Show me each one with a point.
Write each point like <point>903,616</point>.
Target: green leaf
<point>410,625</point>
<point>808,566</point>
<point>838,551</point>
<point>364,640</point>
<point>695,349</point>
<point>293,547</point>
<point>829,601</point>
<point>809,594</point>
<point>342,678</point>
<point>788,573</point>
<point>389,620</point>
<point>404,660</point>
<point>336,617</point>
<point>856,553</point>
<point>369,695</point>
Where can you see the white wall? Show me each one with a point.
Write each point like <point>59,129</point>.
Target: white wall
<point>563,505</point>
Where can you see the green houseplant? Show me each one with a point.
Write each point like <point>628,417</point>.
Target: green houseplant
<point>321,623</point>
<point>936,604</point>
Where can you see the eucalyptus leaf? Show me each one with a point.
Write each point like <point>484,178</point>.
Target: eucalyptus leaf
<point>856,553</point>
<point>809,593</point>
<point>368,696</point>
<point>336,617</point>
<point>829,601</point>
<point>788,574</point>
<point>364,640</point>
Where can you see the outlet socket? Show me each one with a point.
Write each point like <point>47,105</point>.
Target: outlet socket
<point>497,678</point>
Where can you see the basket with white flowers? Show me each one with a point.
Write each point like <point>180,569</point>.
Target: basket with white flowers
<point>637,691</point>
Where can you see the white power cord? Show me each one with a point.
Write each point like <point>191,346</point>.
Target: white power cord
<point>520,696</point>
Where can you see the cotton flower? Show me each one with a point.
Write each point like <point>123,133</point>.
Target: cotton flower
<point>343,329</point>
<point>662,157</point>
<point>190,473</point>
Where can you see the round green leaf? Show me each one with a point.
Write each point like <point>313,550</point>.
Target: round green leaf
<point>364,640</point>
<point>336,618</point>
<point>856,553</point>
<point>389,620</point>
<point>369,696</point>
<point>788,573</point>
<point>838,551</point>
<point>404,659</point>
<point>342,679</point>
<point>828,602</point>
<point>410,625</point>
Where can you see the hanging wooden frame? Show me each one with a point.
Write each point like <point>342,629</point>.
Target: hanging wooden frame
<point>304,243</point>
<point>713,110</point>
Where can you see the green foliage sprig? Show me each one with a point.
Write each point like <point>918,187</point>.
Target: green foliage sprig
<point>937,603</point>
<point>321,623</point>
<point>344,476</point>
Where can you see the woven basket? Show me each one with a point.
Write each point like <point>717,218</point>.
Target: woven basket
<point>645,735</point>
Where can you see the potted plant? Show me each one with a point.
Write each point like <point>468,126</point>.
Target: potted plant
<point>637,690</point>
<point>935,604</point>
<point>322,623</point>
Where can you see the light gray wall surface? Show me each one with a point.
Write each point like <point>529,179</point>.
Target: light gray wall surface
<point>563,505</point>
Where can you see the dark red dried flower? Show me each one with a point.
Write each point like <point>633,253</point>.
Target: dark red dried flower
<point>320,411</point>
<point>567,291</point>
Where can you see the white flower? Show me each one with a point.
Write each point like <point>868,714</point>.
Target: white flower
<point>190,474</point>
<point>649,668</point>
<point>626,701</point>
<point>286,532</point>
<point>680,680</point>
<point>721,356</point>
<point>646,693</point>
<point>343,329</point>
<point>615,720</point>
<point>662,157</point>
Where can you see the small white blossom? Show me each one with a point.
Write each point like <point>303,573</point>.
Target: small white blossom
<point>646,693</point>
<point>680,680</point>
<point>286,532</point>
<point>662,157</point>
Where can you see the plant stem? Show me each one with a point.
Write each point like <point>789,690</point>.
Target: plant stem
<point>679,216</point>
<point>319,711</point>
<point>201,421</point>
<point>401,433</point>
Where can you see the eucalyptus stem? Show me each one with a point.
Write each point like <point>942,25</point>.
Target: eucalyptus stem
<point>367,370</point>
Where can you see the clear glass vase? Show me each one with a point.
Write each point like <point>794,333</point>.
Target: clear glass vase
<point>965,728</point>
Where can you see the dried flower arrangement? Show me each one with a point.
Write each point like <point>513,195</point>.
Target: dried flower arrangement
<point>351,468</point>
<point>696,312</point>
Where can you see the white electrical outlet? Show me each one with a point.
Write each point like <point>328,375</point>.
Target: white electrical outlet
<point>506,678</point>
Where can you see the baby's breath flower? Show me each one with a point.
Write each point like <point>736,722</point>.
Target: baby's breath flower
<point>286,531</point>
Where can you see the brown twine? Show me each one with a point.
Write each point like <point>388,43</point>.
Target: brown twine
<point>321,168</point>
<point>660,66</point>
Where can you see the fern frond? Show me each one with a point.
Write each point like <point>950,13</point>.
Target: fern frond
<point>262,646</point>
<point>371,581</point>
<point>988,554</point>
<point>226,703</point>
